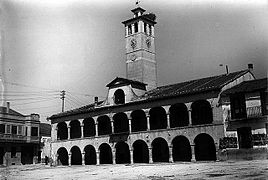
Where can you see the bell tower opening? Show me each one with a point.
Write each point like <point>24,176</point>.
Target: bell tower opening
<point>140,48</point>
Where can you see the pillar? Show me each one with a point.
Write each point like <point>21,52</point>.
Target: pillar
<point>193,153</point>
<point>126,30</point>
<point>112,125</point>
<point>148,122</point>
<point>83,158</point>
<point>190,116</point>
<point>152,30</point>
<point>150,155</point>
<point>170,154</point>
<point>132,28</point>
<point>168,121</point>
<point>96,129</point>
<point>69,131</point>
<point>129,125</point>
<point>56,134</point>
<point>131,156</point>
<point>70,159</point>
<point>82,130</point>
<point>147,29</point>
<point>140,26</point>
<point>114,157</point>
<point>98,157</point>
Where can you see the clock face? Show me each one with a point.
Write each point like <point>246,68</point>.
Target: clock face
<point>148,43</point>
<point>133,43</point>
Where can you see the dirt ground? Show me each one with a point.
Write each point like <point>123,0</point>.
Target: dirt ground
<point>257,169</point>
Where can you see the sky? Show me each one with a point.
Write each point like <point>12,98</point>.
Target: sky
<point>79,46</point>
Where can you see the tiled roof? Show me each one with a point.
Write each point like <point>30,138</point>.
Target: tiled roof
<point>248,86</point>
<point>45,129</point>
<point>184,88</point>
<point>11,111</point>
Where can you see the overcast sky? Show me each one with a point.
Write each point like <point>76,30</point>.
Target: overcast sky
<point>79,45</point>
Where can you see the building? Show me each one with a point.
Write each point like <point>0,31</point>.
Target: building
<point>19,137</point>
<point>139,122</point>
<point>45,141</point>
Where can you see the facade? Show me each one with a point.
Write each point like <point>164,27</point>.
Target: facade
<point>246,113</point>
<point>139,122</point>
<point>45,142</point>
<point>19,137</point>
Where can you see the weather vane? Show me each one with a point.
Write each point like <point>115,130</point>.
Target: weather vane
<point>138,3</point>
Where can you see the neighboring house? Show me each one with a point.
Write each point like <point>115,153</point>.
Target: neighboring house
<point>45,142</point>
<point>140,124</point>
<point>19,137</point>
<point>246,107</point>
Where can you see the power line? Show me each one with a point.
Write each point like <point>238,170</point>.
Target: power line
<point>35,101</point>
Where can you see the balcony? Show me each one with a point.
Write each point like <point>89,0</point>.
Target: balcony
<point>12,138</point>
<point>254,111</point>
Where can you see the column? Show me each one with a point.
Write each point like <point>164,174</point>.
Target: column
<point>55,162</point>
<point>147,29</point>
<point>148,122</point>
<point>193,153</point>
<point>131,156</point>
<point>69,131</point>
<point>96,128</point>
<point>150,155</point>
<point>129,124</point>
<point>126,30</point>
<point>98,157</point>
<point>170,154</point>
<point>152,30</point>
<point>132,28</point>
<point>114,157</point>
<point>70,159</point>
<point>190,116</point>
<point>140,26</point>
<point>168,121</point>
<point>56,133</point>
<point>112,125</point>
<point>82,130</point>
<point>83,158</point>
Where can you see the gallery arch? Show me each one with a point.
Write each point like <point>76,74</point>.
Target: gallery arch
<point>75,129</point>
<point>90,155</point>
<point>122,154</point>
<point>178,115</point>
<point>76,156</point>
<point>121,123</point>
<point>105,154</point>
<point>140,152</point>
<point>181,150</point>
<point>62,132</point>
<point>62,156</point>
<point>160,150</point>
<point>104,125</point>
<point>158,118</point>
<point>201,112</point>
<point>204,148</point>
<point>89,127</point>
<point>138,121</point>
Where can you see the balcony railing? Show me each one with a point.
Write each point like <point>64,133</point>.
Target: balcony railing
<point>12,137</point>
<point>254,111</point>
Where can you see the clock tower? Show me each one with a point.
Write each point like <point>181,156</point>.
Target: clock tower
<point>140,48</point>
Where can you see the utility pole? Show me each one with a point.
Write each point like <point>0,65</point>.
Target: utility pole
<point>62,98</point>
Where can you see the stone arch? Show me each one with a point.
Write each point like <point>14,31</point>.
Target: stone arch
<point>121,123</point>
<point>119,96</point>
<point>62,131</point>
<point>75,129</point>
<point>160,150</point>
<point>158,118</point>
<point>105,154</point>
<point>178,115</point>
<point>181,149</point>
<point>89,127</point>
<point>138,121</point>
<point>62,156</point>
<point>122,154</point>
<point>104,125</point>
<point>205,149</point>
<point>201,112</point>
<point>140,152</point>
<point>90,155</point>
<point>76,156</point>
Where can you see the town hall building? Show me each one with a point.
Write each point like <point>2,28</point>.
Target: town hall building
<point>139,122</point>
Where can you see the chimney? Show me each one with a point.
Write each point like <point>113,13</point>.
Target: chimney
<point>250,67</point>
<point>8,107</point>
<point>96,99</point>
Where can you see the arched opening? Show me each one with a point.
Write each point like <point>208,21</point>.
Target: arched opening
<point>160,150</point>
<point>204,148</point>
<point>62,132</point>
<point>89,127</point>
<point>76,157</point>
<point>119,96</point>
<point>140,152</point>
<point>75,131</point>
<point>2,153</point>
<point>138,121</point>
<point>158,118</point>
<point>121,123</point>
<point>105,154</point>
<point>181,150</point>
<point>122,154</point>
<point>104,125</point>
<point>62,156</point>
<point>201,112</point>
<point>178,115</point>
<point>90,155</point>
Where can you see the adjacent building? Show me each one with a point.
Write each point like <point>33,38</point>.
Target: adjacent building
<point>139,122</point>
<point>19,137</point>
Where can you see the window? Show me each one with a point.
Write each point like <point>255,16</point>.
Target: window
<point>129,29</point>
<point>13,152</point>
<point>14,130</point>
<point>119,96</point>
<point>238,106</point>
<point>136,27</point>
<point>2,128</point>
<point>8,129</point>
<point>144,28</point>
<point>34,131</point>
<point>20,130</point>
<point>26,131</point>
